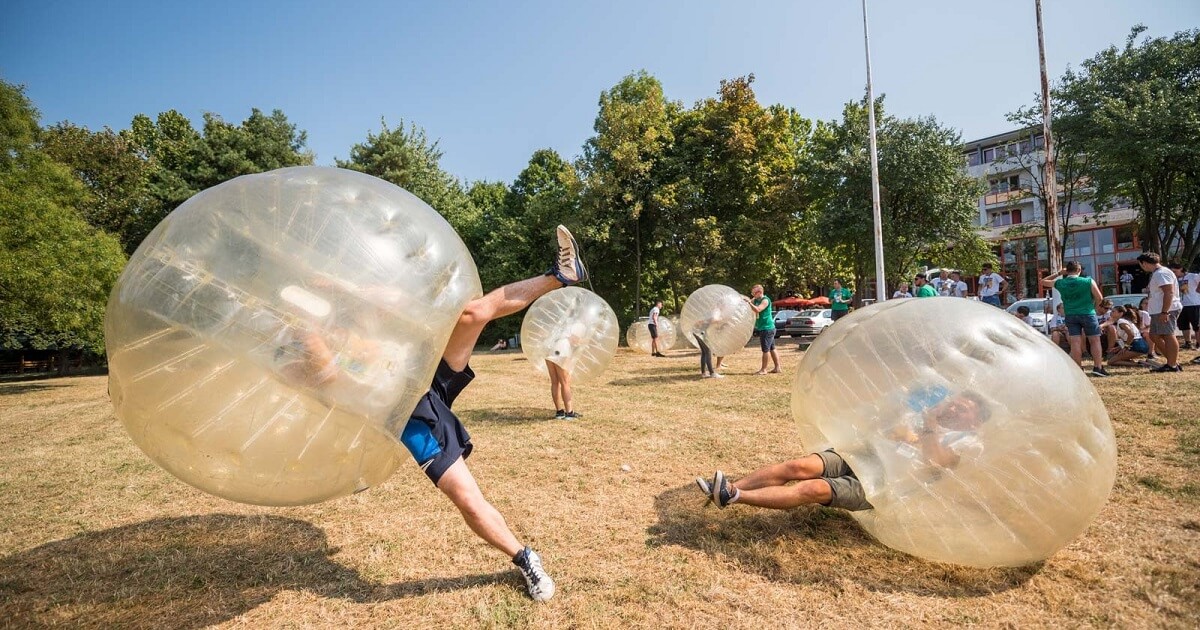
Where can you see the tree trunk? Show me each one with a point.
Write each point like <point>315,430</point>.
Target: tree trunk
<point>637,291</point>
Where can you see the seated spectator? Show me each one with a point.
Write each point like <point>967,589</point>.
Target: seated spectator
<point>501,344</point>
<point>1144,327</point>
<point>1023,315</point>
<point>1132,346</point>
<point>1108,330</point>
<point>1058,329</point>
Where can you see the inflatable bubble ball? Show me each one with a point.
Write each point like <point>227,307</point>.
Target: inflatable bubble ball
<point>977,441</point>
<point>269,338</point>
<point>720,316</point>
<point>573,328</point>
<point>638,335</point>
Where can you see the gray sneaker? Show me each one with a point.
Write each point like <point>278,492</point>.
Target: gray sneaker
<point>537,581</point>
<point>568,266</point>
<point>723,493</point>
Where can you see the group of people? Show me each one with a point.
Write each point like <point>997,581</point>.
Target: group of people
<point>1126,335</point>
<point>951,284</point>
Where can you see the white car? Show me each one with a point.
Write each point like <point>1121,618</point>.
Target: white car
<point>1037,311</point>
<point>781,321</point>
<point>810,323</point>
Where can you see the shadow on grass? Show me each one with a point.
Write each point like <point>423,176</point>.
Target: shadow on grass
<point>27,387</point>
<point>507,415</point>
<point>187,572</point>
<point>676,377</point>
<point>814,545</point>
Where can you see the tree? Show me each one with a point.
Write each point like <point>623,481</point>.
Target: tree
<point>55,270</point>
<point>1137,109</point>
<point>632,132</point>
<point>406,158</point>
<point>115,176</point>
<point>928,202</point>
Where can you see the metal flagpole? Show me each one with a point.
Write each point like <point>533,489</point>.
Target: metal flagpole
<point>880,279</point>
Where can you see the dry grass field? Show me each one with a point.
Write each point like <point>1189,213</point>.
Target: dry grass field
<point>93,534</point>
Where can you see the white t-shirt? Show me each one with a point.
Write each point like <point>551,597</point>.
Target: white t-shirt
<point>1159,279</point>
<point>956,289</point>
<point>654,315</point>
<point>1145,317</point>
<point>901,294</point>
<point>1129,332</point>
<point>989,284</point>
<point>1189,285</point>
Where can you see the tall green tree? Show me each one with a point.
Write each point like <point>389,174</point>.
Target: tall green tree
<point>406,158</point>
<point>632,133</point>
<point>56,270</point>
<point>1137,109</point>
<point>929,205</point>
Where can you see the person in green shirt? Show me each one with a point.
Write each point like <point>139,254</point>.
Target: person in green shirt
<point>764,328</point>
<point>924,289</point>
<point>1080,296</point>
<point>839,300</point>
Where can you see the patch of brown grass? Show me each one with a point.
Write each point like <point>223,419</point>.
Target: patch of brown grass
<point>93,534</point>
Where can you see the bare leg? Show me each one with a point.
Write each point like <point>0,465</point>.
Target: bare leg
<point>763,369</point>
<point>459,485</point>
<point>775,361</point>
<point>1170,348</point>
<point>807,467</point>
<point>564,384</point>
<point>809,492</point>
<point>1097,353</point>
<point>1077,349</point>
<point>505,300</point>
<point>555,386</point>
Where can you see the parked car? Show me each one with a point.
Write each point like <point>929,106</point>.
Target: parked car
<point>1126,299</point>
<point>809,323</point>
<point>1037,311</point>
<point>781,320</point>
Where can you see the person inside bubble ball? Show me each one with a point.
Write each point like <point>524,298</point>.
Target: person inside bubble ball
<point>937,431</point>
<point>559,365</point>
<point>434,435</point>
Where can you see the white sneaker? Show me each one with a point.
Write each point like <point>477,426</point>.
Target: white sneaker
<point>568,266</point>
<point>718,375</point>
<point>537,582</point>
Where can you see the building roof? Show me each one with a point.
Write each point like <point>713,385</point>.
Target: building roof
<point>1000,138</point>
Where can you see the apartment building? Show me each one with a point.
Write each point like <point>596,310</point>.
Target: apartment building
<point>1012,216</point>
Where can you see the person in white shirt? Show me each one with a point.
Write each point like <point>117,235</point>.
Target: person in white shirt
<point>1131,345</point>
<point>1126,282</point>
<point>939,283</point>
<point>653,327</point>
<point>1164,308</point>
<point>991,286</point>
<point>1189,317</point>
<point>902,292</point>
<point>955,287</point>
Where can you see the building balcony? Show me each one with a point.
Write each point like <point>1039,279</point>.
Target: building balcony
<point>1005,197</point>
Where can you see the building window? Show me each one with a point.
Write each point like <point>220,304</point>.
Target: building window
<point>1039,141</point>
<point>1125,237</point>
<point>973,158</point>
<point>989,155</point>
<point>1002,218</point>
<point>1004,184</point>
<point>1104,241</point>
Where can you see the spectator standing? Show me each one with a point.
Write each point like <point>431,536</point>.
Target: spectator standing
<point>955,287</point>
<point>653,327</point>
<point>1126,282</point>
<point>902,292</point>
<point>1164,307</point>
<point>1080,297</point>
<point>991,286</point>
<point>940,282</point>
<point>1189,317</point>
<point>764,328</point>
<point>924,289</point>
<point>839,300</point>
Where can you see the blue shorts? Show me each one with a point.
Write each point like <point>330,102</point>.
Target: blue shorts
<point>1140,346</point>
<point>434,435</point>
<point>994,300</point>
<point>653,330</point>
<point>1086,325</point>
<point>766,339</point>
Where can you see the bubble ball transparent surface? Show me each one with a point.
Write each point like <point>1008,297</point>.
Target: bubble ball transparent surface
<point>575,329</point>
<point>268,340</point>
<point>976,439</point>
<point>638,335</point>
<point>719,314</point>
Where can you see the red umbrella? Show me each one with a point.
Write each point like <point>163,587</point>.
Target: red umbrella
<point>791,302</point>
<point>819,301</point>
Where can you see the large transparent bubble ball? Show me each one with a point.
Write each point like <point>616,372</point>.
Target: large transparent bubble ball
<point>976,439</point>
<point>270,337</point>
<point>638,335</point>
<point>721,316</point>
<point>573,328</point>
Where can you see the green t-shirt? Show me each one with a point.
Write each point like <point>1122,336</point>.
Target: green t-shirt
<point>766,318</point>
<point>844,305</point>
<point>926,290</point>
<point>1076,294</point>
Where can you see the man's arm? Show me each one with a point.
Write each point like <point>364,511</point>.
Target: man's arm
<point>1048,281</point>
<point>756,308</point>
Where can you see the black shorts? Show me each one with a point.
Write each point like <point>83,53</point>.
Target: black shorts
<point>653,330</point>
<point>1189,318</point>
<point>433,434</point>
<point>766,339</point>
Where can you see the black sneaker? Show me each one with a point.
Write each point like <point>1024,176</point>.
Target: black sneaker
<point>722,492</point>
<point>559,414</point>
<point>568,266</point>
<point>1168,368</point>
<point>1099,371</point>
<point>572,415</point>
<point>537,582</point>
<point>1196,361</point>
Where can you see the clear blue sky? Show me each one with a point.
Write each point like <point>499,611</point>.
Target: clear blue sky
<point>494,81</point>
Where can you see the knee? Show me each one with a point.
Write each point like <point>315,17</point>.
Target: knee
<point>807,467</point>
<point>475,314</point>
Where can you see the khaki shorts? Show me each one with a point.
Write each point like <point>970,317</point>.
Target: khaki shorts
<point>847,490</point>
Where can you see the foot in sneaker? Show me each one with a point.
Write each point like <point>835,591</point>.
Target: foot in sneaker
<point>1168,368</point>
<point>718,375</point>
<point>1196,361</point>
<point>705,487</point>
<point>568,266</point>
<point>559,414</point>
<point>1099,371</point>
<point>571,415</point>
<point>537,582</point>
<point>723,493</point>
